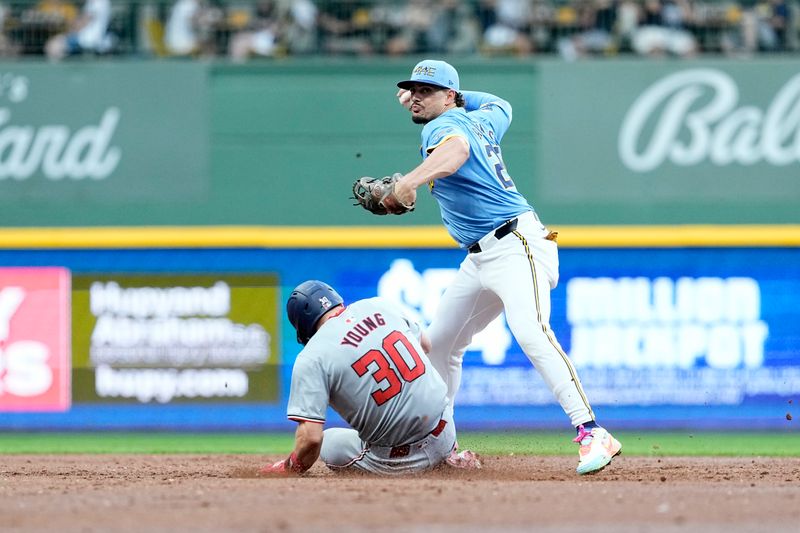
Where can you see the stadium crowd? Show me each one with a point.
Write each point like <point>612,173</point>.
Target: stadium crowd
<point>245,29</point>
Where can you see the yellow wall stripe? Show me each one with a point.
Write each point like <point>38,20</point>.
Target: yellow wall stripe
<point>679,236</point>
<point>386,237</point>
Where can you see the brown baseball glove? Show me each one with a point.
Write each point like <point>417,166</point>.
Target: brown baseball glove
<point>376,195</point>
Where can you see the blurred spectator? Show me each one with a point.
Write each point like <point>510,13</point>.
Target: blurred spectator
<point>762,26</point>
<point>243,29</point>
<point>507,26</point>
<point>628,14</point>
<point>299,25</point>
<point>55,11</point>
<point>543,21</point>
<point>88,33</point>
<point>7,47</point>
<point>260,35</point>
<point>345,27</point>
<point>425,26</point>
<point>181,32</point>
<point>190,28</point>
<point>408,26</point>
<point>773,21</point>
<point>742,39</point>
<point>36,25</point>
<point>663,29</point>
<point>455,29</point>
<point>599,21</point>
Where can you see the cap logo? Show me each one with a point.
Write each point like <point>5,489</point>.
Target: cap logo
<point>324,302</point>
<point>424,70</point>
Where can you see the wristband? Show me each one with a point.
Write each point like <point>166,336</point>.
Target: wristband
<point>293,464</point>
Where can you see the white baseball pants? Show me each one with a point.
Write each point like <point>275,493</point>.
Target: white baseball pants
<point>515,274</point>
<point>343,450</point>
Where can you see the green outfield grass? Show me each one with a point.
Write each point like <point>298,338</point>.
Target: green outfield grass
<point>498,443</point>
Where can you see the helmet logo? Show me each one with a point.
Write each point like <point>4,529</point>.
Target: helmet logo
<point>324,302</point>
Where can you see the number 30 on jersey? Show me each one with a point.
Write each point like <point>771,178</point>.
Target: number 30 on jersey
<point>383,371</point>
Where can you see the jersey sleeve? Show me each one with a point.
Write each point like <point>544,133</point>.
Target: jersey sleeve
<point>309,395</point>
<point>434,135</point>
<point>490,108</point>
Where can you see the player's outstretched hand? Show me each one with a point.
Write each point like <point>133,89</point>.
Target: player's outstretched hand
<point>277,469</point>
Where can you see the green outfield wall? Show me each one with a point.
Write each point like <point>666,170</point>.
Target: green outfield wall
<point>279,143</point>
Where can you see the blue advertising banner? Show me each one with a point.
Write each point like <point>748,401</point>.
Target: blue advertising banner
<point>691,337</point>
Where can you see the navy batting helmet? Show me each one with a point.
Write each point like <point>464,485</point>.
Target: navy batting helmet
<point>308,302</point>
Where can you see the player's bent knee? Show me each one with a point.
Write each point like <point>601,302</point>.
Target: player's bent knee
<point>341,447</point>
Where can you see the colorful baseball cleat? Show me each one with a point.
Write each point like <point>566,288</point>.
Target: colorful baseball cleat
<point>464,460</point>
<point>597,449</point>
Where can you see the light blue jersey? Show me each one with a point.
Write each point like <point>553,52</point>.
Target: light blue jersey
<point>480,195</point>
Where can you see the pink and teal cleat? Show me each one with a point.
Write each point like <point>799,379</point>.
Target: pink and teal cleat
<point>597,449</point>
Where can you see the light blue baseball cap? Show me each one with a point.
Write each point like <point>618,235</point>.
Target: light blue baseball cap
<point>432,72</point>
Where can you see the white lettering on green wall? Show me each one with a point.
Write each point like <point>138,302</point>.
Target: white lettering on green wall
<point>692,117</point>
<point>58,152</point>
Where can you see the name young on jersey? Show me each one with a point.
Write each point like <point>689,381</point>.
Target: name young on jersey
<point>357,333</point>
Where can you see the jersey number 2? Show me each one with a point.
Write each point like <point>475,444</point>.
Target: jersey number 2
<point>384,371</point>
<point>493,154</point>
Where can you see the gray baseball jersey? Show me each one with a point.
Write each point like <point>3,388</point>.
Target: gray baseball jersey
<point>367,363</point>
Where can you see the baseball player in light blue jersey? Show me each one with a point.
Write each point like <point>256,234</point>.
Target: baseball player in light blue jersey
<point>368,362</point>
<point>512,259</point>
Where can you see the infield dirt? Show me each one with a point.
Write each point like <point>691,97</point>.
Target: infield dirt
<point>210,493</point>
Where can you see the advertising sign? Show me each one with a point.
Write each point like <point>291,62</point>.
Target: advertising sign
<point>711,142</point>
<point>100,136</point>
<point>592,143</point>
<point>693,337</point>
<point>654,327</point>
<point>34,339</point>
<point>175,338</point>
